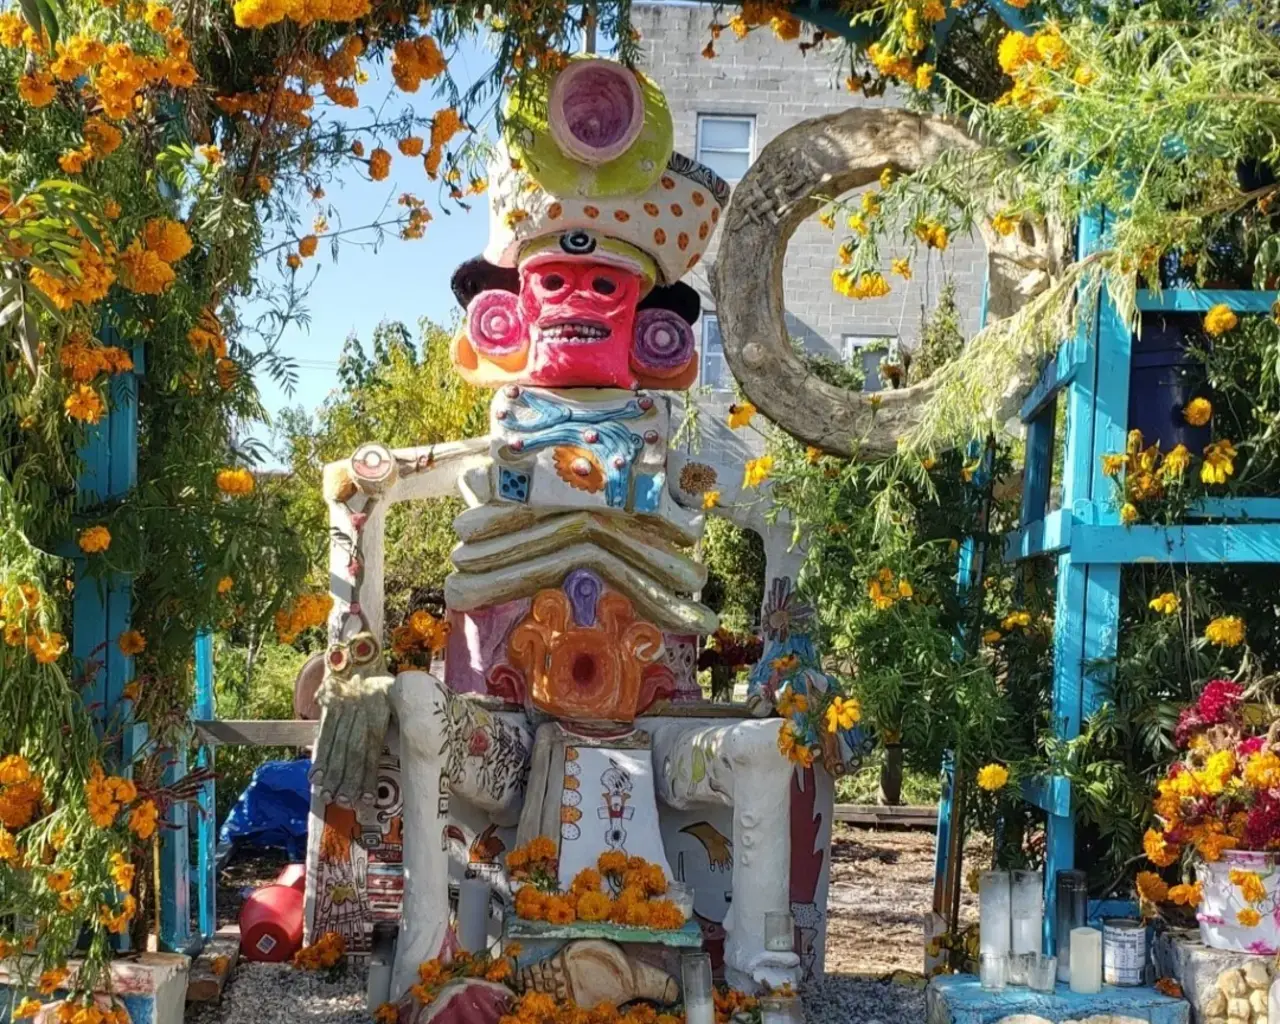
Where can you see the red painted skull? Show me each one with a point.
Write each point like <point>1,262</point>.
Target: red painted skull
<point>574,323</point>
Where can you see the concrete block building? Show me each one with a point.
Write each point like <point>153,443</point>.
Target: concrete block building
<point>725,110</point>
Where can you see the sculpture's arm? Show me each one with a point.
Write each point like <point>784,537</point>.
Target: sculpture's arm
<point>355,697</point>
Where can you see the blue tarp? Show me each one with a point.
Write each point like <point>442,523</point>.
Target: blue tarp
<point>272,811</point>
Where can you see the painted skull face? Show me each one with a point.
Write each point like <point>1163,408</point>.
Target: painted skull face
<point>574,322</point>
<point>580,317</point>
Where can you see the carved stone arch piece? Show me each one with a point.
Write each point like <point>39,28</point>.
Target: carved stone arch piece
<point>796,174</point>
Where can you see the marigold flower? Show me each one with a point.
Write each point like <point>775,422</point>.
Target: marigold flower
<point>1248,917</point>
<point>379,164</point>
<point>83,404</point>
<point>46,648</point>
<point>593,906</point>
<point>144,270</point>
<point>411,146</point>
<point>307,245</point>
<point>1167,603</point>
<point>993,777</point>
<point>612,862</point>
<point>37,88</point>
<point>740,414</point>
<point>901,267</point>
<point>1152,887</point>
<point>235,482</point>
<point>167,239</point>
<point>1219,462</point>
<point>843,713</point>
<point>756,471</point>
<point>51,980</point>
<point>142,822</point>
<point>1225,631</point>
<point>1129,513</point>
<point>1219,320</point>
<point>131,643</point>
<point>387,1013</point>
<point>1175,462</point>
<point>1198,411</point>
<point>27,1009</point>
<point>444,126</point>
<point>59,881</point>
<point>1157,848</point>
<point>94,540</point>
<point>1084,76</point>
<point>1016,620</point>
<point>992,636</point>
<point>1185,895</point>
<point>710,499</point>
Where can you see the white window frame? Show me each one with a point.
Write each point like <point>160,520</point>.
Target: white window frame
<point>750,119</point>
<point>852,345</point>
<point>706,321</point>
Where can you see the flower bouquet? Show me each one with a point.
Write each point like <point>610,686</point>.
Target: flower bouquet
<point>1218,807</point>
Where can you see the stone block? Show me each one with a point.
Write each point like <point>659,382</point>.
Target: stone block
<point>960,999</point>
<point>152,986</point>
<point>1220,985</point>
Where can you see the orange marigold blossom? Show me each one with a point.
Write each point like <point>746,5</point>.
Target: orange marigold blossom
<point>94,540</point>
<point>236,482</point>
<point>131,643</point>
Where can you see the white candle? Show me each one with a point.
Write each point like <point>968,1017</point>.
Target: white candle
<point>993,912</point>
<point>1086,960</point>
<point>473,915</point>
<point>699,1011</point>
<point>1028,911</point>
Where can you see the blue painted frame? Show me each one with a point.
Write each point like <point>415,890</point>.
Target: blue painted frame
<point>1085,535</point>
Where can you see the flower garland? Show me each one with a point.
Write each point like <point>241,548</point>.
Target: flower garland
<point>620,889</point>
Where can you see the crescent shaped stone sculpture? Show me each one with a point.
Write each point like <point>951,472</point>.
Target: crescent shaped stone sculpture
<point>796,174</point>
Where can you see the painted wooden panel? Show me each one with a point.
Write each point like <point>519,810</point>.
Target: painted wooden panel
<point>1213,544</point>
<point>1192,300</point>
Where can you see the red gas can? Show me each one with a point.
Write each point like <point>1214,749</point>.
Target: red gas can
<point>294,876</point>
<point>271,924</point>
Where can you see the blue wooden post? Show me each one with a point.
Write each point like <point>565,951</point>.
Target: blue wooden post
<point>175,869</point>
<point>207,832</point>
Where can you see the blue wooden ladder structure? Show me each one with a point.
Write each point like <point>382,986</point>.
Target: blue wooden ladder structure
<point>1085,534</point>
<point>101,611</point>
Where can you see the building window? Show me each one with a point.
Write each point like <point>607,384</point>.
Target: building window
<point>866,351</point>
<point>726,144</point>
<point>714,368</point>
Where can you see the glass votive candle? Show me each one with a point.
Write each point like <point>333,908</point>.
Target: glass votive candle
<point>1020,968</point>
<point>1044,973</point>
<point>993,971</point>
<point>779,931</point>
<point>778,1009</point>
<point>695,980</point>
<point>681,895</point>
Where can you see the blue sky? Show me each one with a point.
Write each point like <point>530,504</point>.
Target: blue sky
<point>400,280</point>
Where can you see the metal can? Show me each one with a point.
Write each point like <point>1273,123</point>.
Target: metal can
<point>1124,951</point>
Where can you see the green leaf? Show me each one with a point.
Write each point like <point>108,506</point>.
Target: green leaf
<point>31,11</point>
<point>50,19</point>
<point>86,226</point>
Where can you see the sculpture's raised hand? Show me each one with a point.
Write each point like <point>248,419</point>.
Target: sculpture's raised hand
<point>353,728</point>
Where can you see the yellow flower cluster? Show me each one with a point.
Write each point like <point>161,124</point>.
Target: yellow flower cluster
<point>93,279</point>
<point>756,471</point>
<point>305,611</point>
<point>264,13</point>
<point>421,637</point>
<point>94,540</point>
<point>84,404</point>
<point>326,952</point>
<point>1167,603</point>
<point>870,285</point>
<point>1219,320</point>
<point>235,482</point>
<point>740,414</point>
<point>146,265</point>
<point>21,791</point>
<point>635,880</point>
<point>993,777</point>
<point>843,713</point>
<point>1226,631</point>
<point>434,974</point>
<point>797,753</point>
<point>542,1008</point>
<point>82,360</point>
<point>885,590</point>
<point>414,61</point>
<point>107,795</point>
<point>1029,60</point>
<point>207,335</point>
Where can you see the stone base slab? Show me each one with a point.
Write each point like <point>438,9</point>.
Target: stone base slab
<point>152,986</point>
<point>960,999</point>
<point>1220,985</point>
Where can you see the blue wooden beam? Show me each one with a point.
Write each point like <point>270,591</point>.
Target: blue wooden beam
<point>1257,509</point>
<point>1041,537</point>
<point>1059,372</point>
<point>1197,545</point>
<point>1051,793</point>
<point>207,829</point>
<point>1195,300</point>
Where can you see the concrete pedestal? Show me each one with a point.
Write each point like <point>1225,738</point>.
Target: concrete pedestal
<point>1220,985</point>
<point>152,986</point>
<point>960,999</point>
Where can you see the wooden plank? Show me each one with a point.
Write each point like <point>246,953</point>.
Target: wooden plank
<point>1057,374</point>
<point>902,816</point>
<point>270,733</point>
<point>1236,508</point>
<point>175,863</point>
<point>211,970</point>
<point>1196,545</point>
<point>207,826</point>
<point>1042,537</point>
<point>1051,793</point>
<point>1194,300</point>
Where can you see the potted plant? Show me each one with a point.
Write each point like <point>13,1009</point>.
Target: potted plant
<point>1218,809</point>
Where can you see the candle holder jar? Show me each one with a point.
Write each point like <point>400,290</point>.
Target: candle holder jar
<point>994,908</point>
<point>1044,973</point>
<point>779,932</point>
<point>1026,911</point>
<point>1020,968</point>
<point>682,896</point>
<point>695,980</point>
<point>778,1009</point>
<point>993,971</point>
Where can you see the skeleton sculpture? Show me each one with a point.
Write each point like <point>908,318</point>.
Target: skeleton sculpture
<point>572,606</point>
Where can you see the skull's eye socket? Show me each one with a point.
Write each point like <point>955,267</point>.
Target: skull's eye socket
<point>553,282</point>
<point>604,285</point>
<point>579,243</point>
<point>339,660</point>
<point>363,650</point>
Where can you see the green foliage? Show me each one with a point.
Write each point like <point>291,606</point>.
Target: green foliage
<point>941,335</point>
<point>734,558</point>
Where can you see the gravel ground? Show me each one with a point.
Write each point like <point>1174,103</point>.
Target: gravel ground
<point>881,890</point>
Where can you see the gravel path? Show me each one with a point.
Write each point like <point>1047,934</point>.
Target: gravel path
<point>881,889</point>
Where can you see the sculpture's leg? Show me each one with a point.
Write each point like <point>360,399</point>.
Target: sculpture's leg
<point>447,746</point>
<point>738,764</point>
